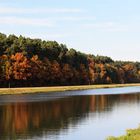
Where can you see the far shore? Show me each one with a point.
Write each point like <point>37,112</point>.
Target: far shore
<point>29,90</point>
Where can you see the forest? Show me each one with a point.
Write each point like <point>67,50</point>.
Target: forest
<point>26,62</point>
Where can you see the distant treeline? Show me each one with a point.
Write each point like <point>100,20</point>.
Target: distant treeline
<point>33,62</point>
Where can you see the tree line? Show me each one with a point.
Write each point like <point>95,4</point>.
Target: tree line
<point>35,62</point>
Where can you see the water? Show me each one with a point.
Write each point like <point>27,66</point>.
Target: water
<point>76,115</point>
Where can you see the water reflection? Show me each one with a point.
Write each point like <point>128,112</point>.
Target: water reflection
<point>31,120</point>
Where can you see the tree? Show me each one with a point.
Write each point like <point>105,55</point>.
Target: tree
<point>55,73</point>
<point>20,67</point>
<point>67,73</point>
<point>84,79</point>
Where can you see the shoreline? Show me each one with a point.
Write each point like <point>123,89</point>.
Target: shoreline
<point>35,90</point>
<point>131,134</point>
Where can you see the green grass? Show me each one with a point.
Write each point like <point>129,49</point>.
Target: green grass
<point>59,88</point>
<point>132,134</point>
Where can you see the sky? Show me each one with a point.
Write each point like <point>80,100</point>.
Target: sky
<point>99,27</point>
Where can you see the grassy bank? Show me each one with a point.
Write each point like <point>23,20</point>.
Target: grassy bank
<point>59,88</point>
<point>132,134</point>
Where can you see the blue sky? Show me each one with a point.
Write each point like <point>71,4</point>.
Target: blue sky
<point>104,27</point>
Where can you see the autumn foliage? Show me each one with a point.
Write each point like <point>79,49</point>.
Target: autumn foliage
<point>33,62</point>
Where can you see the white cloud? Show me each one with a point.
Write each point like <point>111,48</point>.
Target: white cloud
<point>48,22</point>
<point>76,18</point>
<point>26,21</point>
<point>9,16</point>
<point>107,26</point>
<point>100,25</point>
<point>8,10</point>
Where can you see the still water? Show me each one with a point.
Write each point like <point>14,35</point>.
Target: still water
<point>75,115</point>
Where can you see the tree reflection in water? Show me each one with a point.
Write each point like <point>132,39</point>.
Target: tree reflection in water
<point>28,120</point>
